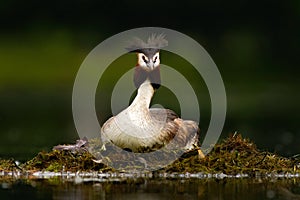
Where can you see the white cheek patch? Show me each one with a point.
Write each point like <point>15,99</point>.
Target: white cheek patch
<point>144,66</point>
<point>156,59</point>
<point>141,60</point>
<point>145,63</point>
<point>157,63</point>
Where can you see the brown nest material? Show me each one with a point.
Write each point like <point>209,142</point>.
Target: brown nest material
<point>234,155</point>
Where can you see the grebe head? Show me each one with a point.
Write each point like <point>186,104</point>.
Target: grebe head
<point>148,59</point>
<point>147,67</point>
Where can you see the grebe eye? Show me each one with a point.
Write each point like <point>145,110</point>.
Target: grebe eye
<point>144,59</point>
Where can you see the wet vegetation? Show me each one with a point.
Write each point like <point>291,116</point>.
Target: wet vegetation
<point>234,155</point>
<point>237,155</point>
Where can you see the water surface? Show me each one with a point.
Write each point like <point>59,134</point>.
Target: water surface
<point>149,187</point>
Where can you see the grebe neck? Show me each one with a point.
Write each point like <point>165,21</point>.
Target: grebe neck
<point>144,95</point>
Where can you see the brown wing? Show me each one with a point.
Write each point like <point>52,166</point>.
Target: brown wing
<point>188,133</point>
<point>184,132</point>
<point>161,114</point>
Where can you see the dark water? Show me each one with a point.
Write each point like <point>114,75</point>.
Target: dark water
<point>150,188</point>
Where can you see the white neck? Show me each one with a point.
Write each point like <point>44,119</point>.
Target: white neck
<point>144,95</point>
<point>136,120</point>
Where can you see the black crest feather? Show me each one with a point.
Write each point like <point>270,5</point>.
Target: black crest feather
<point>154,42</point>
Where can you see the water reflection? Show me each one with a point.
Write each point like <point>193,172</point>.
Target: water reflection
<point>153,188</point>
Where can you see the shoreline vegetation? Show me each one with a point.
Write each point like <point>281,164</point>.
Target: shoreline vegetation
<point>234,155</point>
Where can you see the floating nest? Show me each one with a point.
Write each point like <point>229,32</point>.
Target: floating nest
<point>234,155</point>
<point>237,155</point>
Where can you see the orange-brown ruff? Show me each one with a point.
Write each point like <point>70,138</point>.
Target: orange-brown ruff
<point>139,128</point>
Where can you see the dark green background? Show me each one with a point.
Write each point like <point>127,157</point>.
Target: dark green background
<point>254,43</point>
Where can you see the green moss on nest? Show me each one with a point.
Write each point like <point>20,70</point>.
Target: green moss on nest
<point>8,165</point>
<point>232,156</point>
<point>236,155</point>
<point>63,161</point>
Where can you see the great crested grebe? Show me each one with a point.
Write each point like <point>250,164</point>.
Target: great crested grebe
<point>139,128</point>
